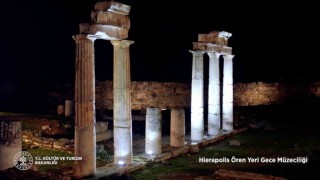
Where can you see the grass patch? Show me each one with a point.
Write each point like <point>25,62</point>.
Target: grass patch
<point>41,152</point>
<point>269,144</point>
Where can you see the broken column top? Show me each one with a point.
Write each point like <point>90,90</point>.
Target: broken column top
<point>215,37</point>
<point>112,6</point>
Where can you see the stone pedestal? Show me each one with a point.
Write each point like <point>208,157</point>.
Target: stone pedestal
<point>68,110</point>
<point>177,128</point>
<point>197,121</point>
<point>214,94</point>
<point>85,135</point>
<point>122,120</point>
<point>227,99</point>
<point>10,142</point>
<point>153,131</point>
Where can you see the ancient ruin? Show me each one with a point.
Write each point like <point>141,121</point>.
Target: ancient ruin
<point>214,44</point>
<point>110,21</point>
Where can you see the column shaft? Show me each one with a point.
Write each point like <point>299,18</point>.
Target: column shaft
<point>177,128</point>
<point>10,142</point>
<point>153,131</point>
<point>197,120</point>
<point>227,99</point>
<point>214,94</point>
<point>122,121</point>
<point>85,136</point>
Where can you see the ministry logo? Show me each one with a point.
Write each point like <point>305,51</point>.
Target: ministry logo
<point>23,160</point>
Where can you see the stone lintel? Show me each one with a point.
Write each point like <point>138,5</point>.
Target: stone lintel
<point>212,47</point>
<point>215,37</point>
<point>110,18</point>
<point>113,6</point>
<point>106,32</point>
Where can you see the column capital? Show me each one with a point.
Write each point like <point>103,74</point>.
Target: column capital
<point>120,44</point>
<point>80,37</point>
<point>197,53</point>
<point>228,56</point>
<point>213,54</point>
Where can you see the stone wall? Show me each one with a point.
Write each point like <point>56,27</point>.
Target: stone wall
<point>150,94</point>
<point>147,94</point>
<point>177,95</point>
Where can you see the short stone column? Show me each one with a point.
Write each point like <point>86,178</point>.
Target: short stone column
<point>227,99</point>
<point>60,109</point>
<point>85,119</point>
<point>153,131</point>
<point>197,121</point>
<point>214,94</point>
<point>122,120</point>
<point>68,110</point>
<point>10,142</point>
<point>177,128</point>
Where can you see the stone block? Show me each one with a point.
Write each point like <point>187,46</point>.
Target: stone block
<point>101,127</point>
<point>103,136</point>
<point>110,18</point>
<point>106,32</point>
<point>112,6</point>
<point>179,151</point>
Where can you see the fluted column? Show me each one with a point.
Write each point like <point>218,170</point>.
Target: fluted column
<point>85,120</point>
<point>214,94</point>
<point>122,121</point>
<point>197,121</point>
<point>227,99</point>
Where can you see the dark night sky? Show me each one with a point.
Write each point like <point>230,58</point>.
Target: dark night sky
<point>271,41</point>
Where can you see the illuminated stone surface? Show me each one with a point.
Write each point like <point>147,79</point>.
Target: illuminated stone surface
<point>211,47</point>
<point>215,37</point>
<point>112,6</point>
<point>177,128</point>
<point>102,31</point>
<point>153,131</point>
<point>197,121</point>
<point>122,121</point>
<point>85,136</point>
<point>10,142</point>
<point>227,98</point>
<point>103,17</point>
<point>214,94</point>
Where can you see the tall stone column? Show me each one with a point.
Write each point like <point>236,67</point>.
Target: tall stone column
<point>153,131</point>
<point>85,118</point>
<point>214,94</point>
<point>197,121</point>
<point>177,128</point>
<point>227,99</point>
<point>122,120</point>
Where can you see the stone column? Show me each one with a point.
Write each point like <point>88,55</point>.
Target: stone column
<point>68,108</point>
<point>214,94</point>
<point>10,142</point>
<point>177,128</point>
<point>85,118</point>
<point>60,109</point>
<point>197,121</point>
<point>122,120</point>
<point>153,131</point>
<point>227,99</point>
